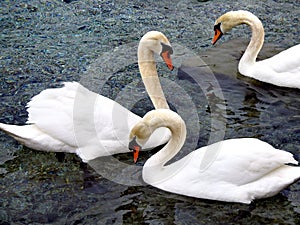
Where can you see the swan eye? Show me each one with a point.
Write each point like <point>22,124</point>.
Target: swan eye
<point>133,144</point>
<point>135,147</point>
<point>218,33</point>
<point>166,53</point>
<point>217,27</point>
<point>166,48</point>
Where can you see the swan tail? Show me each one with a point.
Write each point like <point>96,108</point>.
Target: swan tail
<point>288,174</point>
<point>288,158</point>
<point>274,182</point>
<point>17,132</point>
<point>32,137</point>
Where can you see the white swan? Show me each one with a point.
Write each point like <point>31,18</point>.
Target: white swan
<point>282,69</point>
<point>60,120</point>
<point>242,170</point>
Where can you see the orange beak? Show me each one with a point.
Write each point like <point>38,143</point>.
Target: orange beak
<point>218,35</point>
<point>166,57</point>
<point>136,152</point>
<point>135,147</point>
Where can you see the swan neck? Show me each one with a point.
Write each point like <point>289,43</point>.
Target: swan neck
<point>147,67</point>
<point>154,167</point>
<point>256,42</point>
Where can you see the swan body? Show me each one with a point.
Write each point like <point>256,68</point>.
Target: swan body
<point>243,169</point>
<point>282,69</point>
<point>75,120</point>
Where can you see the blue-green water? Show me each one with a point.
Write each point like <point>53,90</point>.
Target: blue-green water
<point>46,42</point>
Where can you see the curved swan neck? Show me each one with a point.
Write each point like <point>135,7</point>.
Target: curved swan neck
<point>147,67</point>
<point>171,120</point>
<point>257,38</point>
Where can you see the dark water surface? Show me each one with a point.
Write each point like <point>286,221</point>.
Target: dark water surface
<point>44,43</point>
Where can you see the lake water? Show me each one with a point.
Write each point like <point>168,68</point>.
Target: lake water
<point>44,43</point>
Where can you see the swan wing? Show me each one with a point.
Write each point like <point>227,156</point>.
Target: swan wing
<point>282,69</point>
<point>78,117</point>
<point>51,112</point>
<point>74,119</point>
<point>49,125</point>
<point>244,160</point>
<point>242,170</point>
<point>286,61</point>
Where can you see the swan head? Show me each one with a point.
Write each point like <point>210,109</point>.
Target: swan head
<point>142,131</point>
<point>139,135</point>
<point>229,20</point>
<point>154,119</point>
<point>158,43</point>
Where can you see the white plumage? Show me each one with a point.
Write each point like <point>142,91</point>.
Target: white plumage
<point>240,170</point>
<point>76,120</point>
<point>282,69</point>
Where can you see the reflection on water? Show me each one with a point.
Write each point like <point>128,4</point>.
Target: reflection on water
<point>46,42</point>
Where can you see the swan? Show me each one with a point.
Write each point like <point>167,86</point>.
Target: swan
<point>282,69</point>
<point>243,169</point>
<point>53,125</point>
